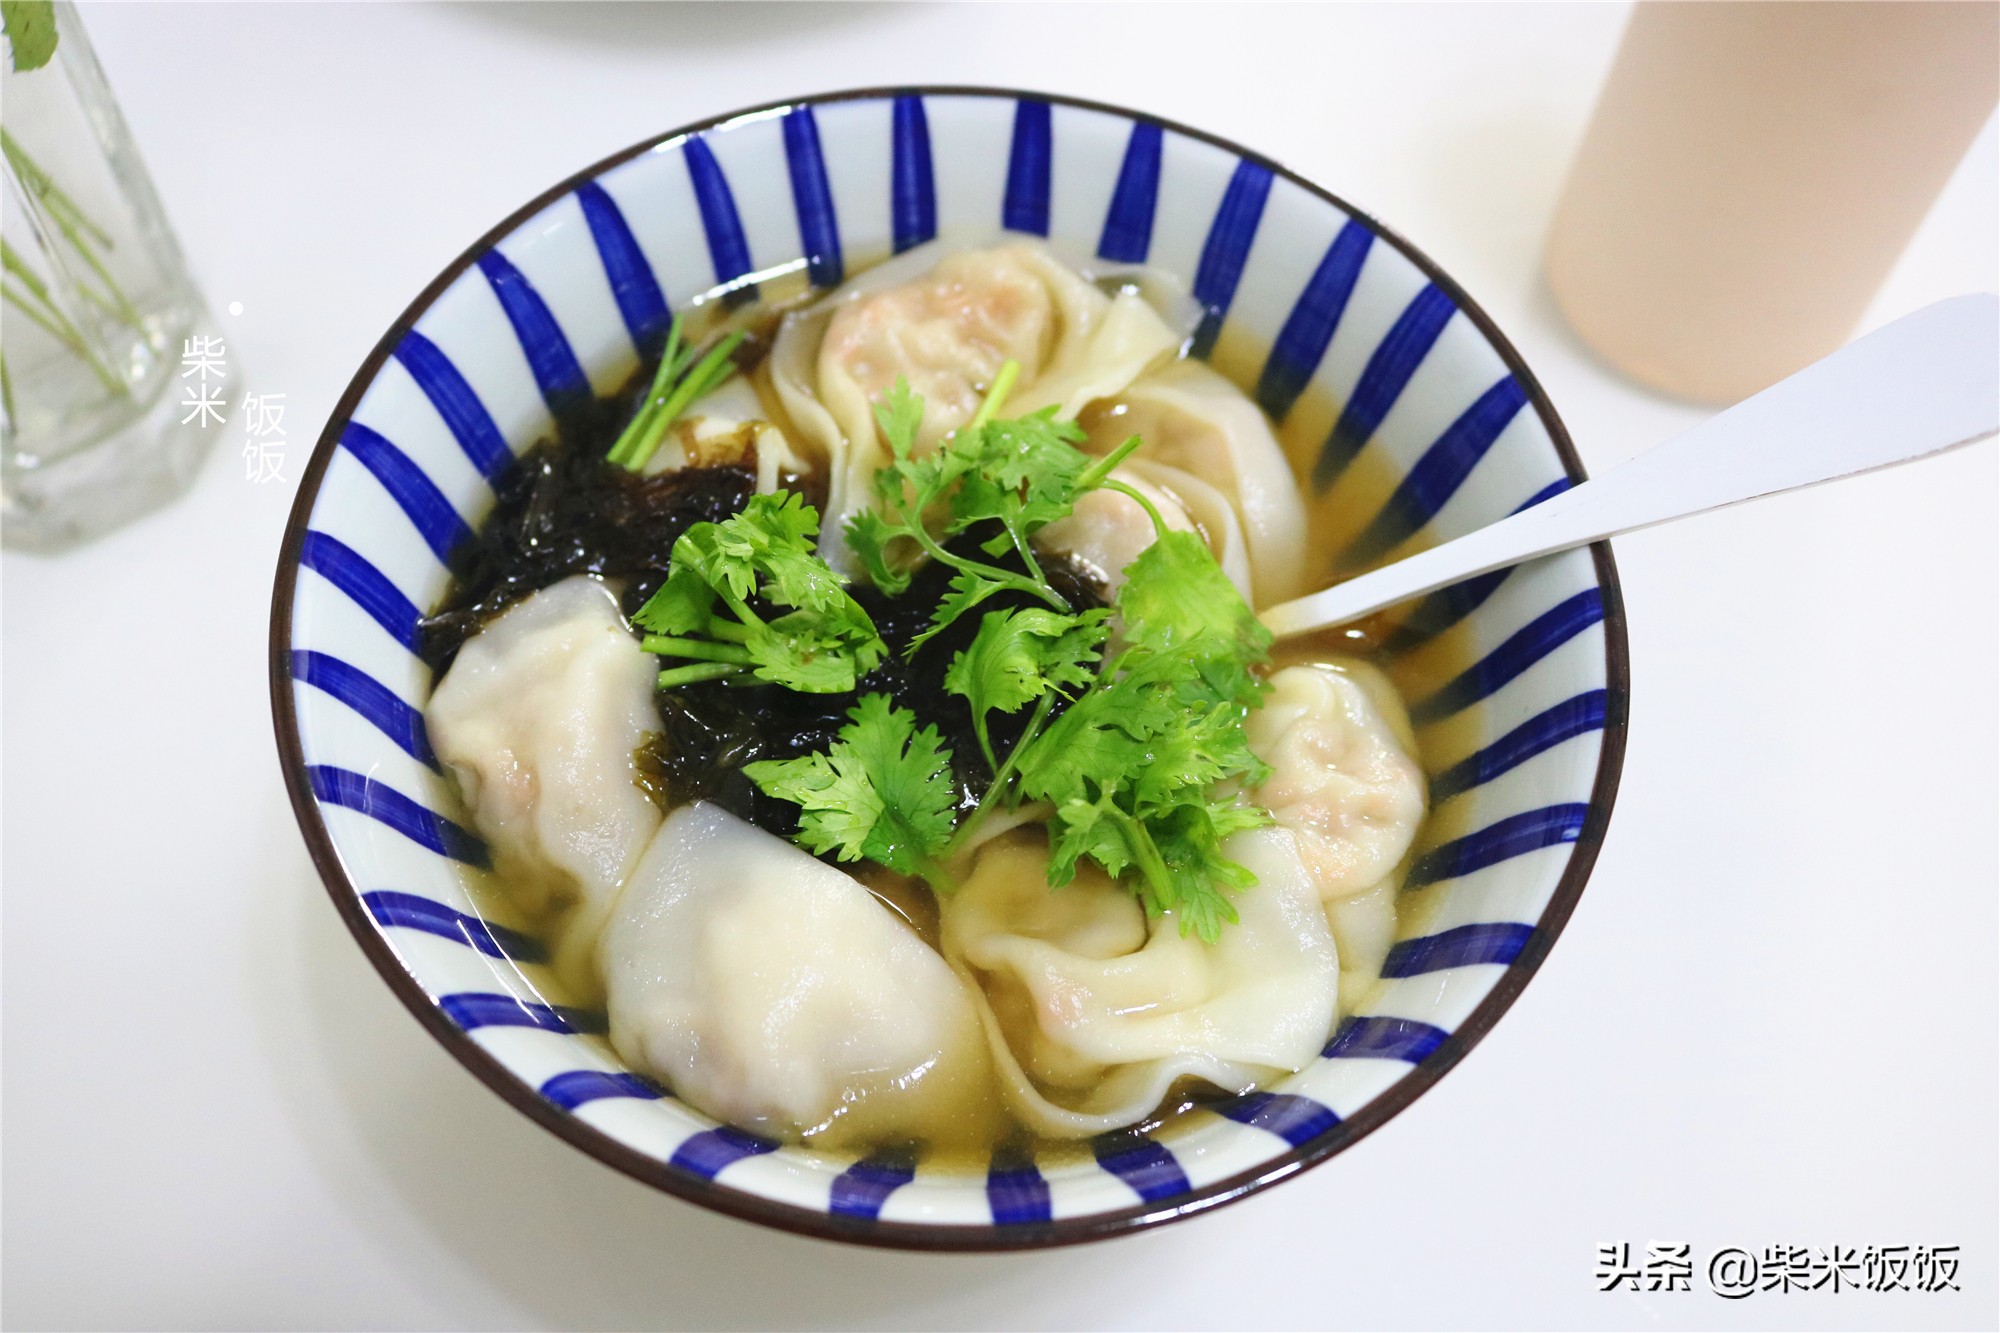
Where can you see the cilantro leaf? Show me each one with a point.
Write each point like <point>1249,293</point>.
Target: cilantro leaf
<point>1026,474</point>
<point>1141,767</point>
<point>31,32</point>
<point>900,414</point>
<point>1022,473</point>
<point>1189,840</point>
<point>823,646</point>
<point>1097,829</point>
<point>814,654</point>
<point>682,605</point>
<point>1175,596</point>
<point>838,806</point>
<point>1020,655</point>
<point>772,535</point>
<point>869,536</point>
<point>1135,766</point>
<point>883,791</point>
<point>968,588</point>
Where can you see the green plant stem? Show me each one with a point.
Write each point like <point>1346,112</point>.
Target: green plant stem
<point>45,187</point>
<point>996,394</point>
<point>750,618</point>
<point>1094,475</point>
<point>668,646</point>
<point>690,675</point>
<point>1035,587</point>
<point>58,326</point>
<point>985,740</point>
<point>1160,528</point>
<point>1003,776</point>
<point>71,221</point>
<point>646,435</point>
<point>1147,853</point>
<point>1033,565</point>
<point>670,366</point>
<point>943,883</point>
<point>729,630</point>
<point>116,305</point>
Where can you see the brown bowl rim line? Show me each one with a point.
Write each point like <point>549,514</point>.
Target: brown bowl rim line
<point>990,1237</point>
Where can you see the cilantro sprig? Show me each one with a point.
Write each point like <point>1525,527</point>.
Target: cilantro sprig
<point>685,376</point>
<point>823,644</point>
<point>1139,768</point>
<point>1022,474</point>
<point>1141,764</point>
<point>884,791</point>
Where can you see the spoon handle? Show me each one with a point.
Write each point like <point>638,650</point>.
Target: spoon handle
<point>1924,384</point>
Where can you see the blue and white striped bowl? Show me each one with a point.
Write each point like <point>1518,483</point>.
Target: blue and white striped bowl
<point>1524,739</point>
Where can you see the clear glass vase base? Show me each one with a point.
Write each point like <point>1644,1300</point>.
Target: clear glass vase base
<point>68,501</point>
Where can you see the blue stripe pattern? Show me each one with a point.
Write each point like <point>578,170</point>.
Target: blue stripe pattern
<point>633,286</point>
<point>369,697</point>
<point>415,912</point>
<point>554,365</point>
<point>1447,606</point>
<point>578,1086</point>
<point>1015,1190</point>
<point>464,414</point>
<point>343,567</point>
<point>862,1189</point>
<point>1128,223</point>
<point>912,193</point>
<point>728,247</point>
<point>1525,647</point>
<point>1544,731</point>
<point>411,488</point>
<point>491,1009</point>
<point>708,1152</point>
<point>812,199</point>
<point>1383,380</point>
<point>1502,840</point>
<point>1439,473</point>
<point>1442,609</point>
<point>1461,946</point>
<point>386,805</point>
<point>1296,1120</point>
<point>1030,160</point>
<point>1379,1037</point>
<point>1227,248</point>
<point>1152,1170</point>
<point>1310,326</point>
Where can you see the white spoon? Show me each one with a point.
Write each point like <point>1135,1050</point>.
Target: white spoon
<point>1924,384</point>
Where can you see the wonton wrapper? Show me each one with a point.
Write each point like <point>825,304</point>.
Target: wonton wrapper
<point>538,719</point>
<point>1194,419</point>
<point>773,991</point>
<point>1344,783</point>
<point>1093,1012</point>
<point>1108,530</point>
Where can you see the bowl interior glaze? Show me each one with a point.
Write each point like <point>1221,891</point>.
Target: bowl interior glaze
<point>1413,421</point>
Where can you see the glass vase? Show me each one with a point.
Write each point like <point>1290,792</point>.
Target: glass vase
<point>111,390</point>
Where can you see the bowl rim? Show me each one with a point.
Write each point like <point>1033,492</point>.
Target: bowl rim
<point>915,1235</point>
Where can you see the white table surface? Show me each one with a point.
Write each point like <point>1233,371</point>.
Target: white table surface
<point>1771,1021</point>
